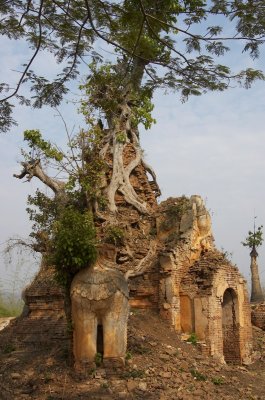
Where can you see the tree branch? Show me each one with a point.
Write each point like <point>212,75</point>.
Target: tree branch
<point>143,264</point>
<point>32,58</point>
<point>33,168</point>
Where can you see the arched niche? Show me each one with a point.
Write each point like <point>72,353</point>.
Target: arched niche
<point>230,327</point>
<point>100,340</point>
<point>186,314</point>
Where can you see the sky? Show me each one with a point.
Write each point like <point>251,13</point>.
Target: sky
<point>213,146</point>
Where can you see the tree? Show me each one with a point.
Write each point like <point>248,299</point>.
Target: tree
<point>255,238</point>
<point>252,241</point>
<point>168,44</point>
<point>171,44</point>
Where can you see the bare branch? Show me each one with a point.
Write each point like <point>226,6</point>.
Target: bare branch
<point>33,168</point>
<point>149,169</point>
<point>69,139</point>
<point>25,13</point>
<point>16,242</point>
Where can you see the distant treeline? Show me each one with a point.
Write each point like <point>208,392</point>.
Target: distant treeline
<point>11,304</point>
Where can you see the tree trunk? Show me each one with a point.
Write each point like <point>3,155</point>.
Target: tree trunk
<point>256,291</point>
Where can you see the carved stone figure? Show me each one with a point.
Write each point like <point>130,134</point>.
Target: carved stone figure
<point>100,307</point>
<point>99,302</point>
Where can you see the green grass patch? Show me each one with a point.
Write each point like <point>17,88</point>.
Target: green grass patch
<point>197,375</point>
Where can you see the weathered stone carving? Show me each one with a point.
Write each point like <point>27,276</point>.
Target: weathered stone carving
<point>99,297</point>
<point>100,306</point>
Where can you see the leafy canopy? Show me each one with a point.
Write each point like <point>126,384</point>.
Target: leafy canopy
<point>176,43</point>
<point>255,238</point>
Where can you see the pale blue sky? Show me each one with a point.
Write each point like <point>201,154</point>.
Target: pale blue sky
<point>213,145</point>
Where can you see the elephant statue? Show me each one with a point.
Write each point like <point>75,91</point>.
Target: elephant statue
<point>100,301</point>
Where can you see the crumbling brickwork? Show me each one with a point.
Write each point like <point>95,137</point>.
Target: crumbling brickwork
<point>43,319</point>
<point>200,291</point>
<point>188,281</point>
<point>258,315</point>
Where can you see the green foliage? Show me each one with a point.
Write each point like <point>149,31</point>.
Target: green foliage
<point>105,91</point>
<point>197,375</point>
<point>10,305</point>
<point>63,229</point>
<point>226,254</point>
<point>134,373</point>
<point>193,339</point>
<point>9,348</point>
<point>47,377</point>
<point>74,243</point>
<point>254,239</point>
<point>36,142</point>
<point>98,359</point>
<point>114,235</point>
<point>43,212</point>
<point>174,44</point>
<point>175,211</point>
<point>85,177</point>
<point>121,137</point>
<point>218,381</point>
<point>142,113</point>
<point>6,120</point>
<point>153,231</point>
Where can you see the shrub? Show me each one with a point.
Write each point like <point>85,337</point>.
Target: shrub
<point>114,235</point>
<point>8,348</point>
<point>218,381</point>
<point>193,339</point>
<point>174,212</point>
<point>98,359</point>
<point>74,243</point>
<point>135,373</point>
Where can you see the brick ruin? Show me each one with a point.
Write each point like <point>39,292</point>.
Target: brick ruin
<point>43,318</point>
<point>189,282</point>
<point>201,292</point>
<point>258,315</point>
<point>214,305</point>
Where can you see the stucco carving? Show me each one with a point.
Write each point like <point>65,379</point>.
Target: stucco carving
<point>99,297</point>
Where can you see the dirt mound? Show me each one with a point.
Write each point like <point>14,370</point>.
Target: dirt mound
<point>159,366</point>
